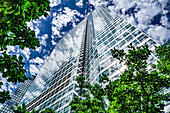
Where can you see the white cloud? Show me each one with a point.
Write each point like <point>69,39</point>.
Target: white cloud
<point>67,16</point>
<point>43,40</point>
<point>10,49</point>
<point>164,21</point>
<point>15,50</point>
<point>30,25</point>
<point>132,20</point>
<point>159,33</point>
<point>1,105</point>
<point>53,42</point>
<point>97,3</point>
<point>147,11</point>
<point>55,30</point>
<point>54,2</point>
<point>79,3</point>
<point>37,60</point>
<point>33,69</point>
<point>62,19</point>
<point>124,4</point>
<point>167,108</point>
<point>26,52</point>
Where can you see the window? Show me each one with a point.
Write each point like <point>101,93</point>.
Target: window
<point>109,35</point>
<point>122,43</point>
<point>98,43</point>
<point>124,23</point>
<point>106,42</point>
<point>132,29</point>
<point>70,88</point>
<point>119,27</point>
<point>110,39</point>
<point>142,38</point>
<point>122,30</point>
<point>151,43</point>
<point>113,69</point>
<point>136,33</point>
<point>112,28</point>
<point>127,26</point>
<point>125,34</point>
<point>135,43</point>
<point>113,31</point>
<point>63,102</point>
<point>103,65</point>
<point>66,109</point>
<point>106,72</point>
<point>104,39</point>
<point>119,38</point>
<point>68,98</point>
<point>129,38</point>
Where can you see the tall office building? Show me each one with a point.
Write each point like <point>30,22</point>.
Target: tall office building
<point>17,95</point>
<point>85,50</point>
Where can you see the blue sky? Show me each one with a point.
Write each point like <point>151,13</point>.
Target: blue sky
<point>150,16</point>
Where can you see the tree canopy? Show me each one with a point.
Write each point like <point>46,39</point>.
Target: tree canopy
<point>14,31</point>
<point>137,90</point>
<point>22,109</point>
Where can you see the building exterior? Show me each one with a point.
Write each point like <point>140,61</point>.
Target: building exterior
<point>17,95</point>
<point>85,50</point>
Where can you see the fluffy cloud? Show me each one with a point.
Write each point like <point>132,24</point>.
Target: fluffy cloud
<point>54,2</point>
<point>67,15</point>
<point>35,65</point>
<point>33,69</point>
<point>161,34</point>
<point>97,3</point>
<point>43,40</point>
<point>164,21</point>
<point>79,3</point>
<point>26,53</point>
<point>37,60</point>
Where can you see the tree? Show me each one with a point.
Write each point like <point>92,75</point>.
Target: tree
<point>14,31</point>
<point>137,90</point>
<point>84,103</point>
<point>48,110</point>
<point>22,109</point>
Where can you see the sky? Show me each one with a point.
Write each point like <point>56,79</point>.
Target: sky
<point>150,16</point>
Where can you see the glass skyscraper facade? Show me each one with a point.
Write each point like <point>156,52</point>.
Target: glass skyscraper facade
<point>85,50</point>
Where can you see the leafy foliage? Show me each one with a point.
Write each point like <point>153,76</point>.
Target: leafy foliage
<point>14,31</point>
<point>22,109</point>
<point>13,27</point>
<point>4,95</point>
<point>84,103</point>
<point>163,53</point>
<point>137,90</point>
<point>12,67</point>
<point>48,110</point>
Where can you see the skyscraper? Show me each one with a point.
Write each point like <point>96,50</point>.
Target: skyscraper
<point>85,50</point>
<point>17,95</point>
